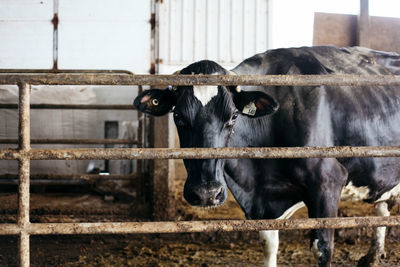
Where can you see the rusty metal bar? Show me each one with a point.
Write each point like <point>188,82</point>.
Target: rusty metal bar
<point>74,141</point>
<point>141,182</point>
<point>23,191</point>
<point>33,71</point>
<point>364,24</point>
<point>46,176</point>
<point>70,106</point>
<point>24,251</point>
<point>24,117</point>
<point>24,171</point>
<point>157,80</point>
<point>199,226</point>
<point>203,153</point>
<point>55,21</point>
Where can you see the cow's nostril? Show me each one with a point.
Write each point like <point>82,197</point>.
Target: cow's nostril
<point>219,193</point>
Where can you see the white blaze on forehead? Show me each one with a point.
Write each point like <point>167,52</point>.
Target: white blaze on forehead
<point>204,93</point>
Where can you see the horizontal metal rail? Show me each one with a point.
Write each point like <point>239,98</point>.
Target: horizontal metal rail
<point>197,226</point>
<point>202,153</point>
<point>156,80</point>
<point>24,154</point>
<point>71,106</point>
<point>74,141</point>
<point>46,176</point>
<point>8,71</point>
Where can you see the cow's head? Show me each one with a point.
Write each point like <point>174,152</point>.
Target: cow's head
<point>206,116</point>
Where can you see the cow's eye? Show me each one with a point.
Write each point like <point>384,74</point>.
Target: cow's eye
<point>233,118</point>
<point>178,119</point>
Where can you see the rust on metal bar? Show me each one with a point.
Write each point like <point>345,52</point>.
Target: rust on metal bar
<point>24,116</point>
<point>203,153</point>
<point>46,176</point>
<point>71,106</point>
<point>199,226</point>
<point>76,71</point>
<point>23,191</point>
<point>74,141</point>
<point>364,24</point>
<point>157,80</point>
<point>24,253</point>
<point>24,147</point>
<point>24,171</point>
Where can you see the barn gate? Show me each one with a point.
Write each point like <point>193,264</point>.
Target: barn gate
<point>24,154</point>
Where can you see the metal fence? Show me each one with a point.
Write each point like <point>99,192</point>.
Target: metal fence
<point>24,154</point>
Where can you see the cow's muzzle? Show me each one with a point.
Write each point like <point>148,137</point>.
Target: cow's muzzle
<point>205,195</point>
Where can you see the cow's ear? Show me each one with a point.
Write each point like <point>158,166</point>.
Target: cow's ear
<point>155,102</point>
<point>255,103</point>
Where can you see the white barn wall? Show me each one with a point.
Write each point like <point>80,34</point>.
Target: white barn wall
<point>102,34</point>
<point>26,34</point>
<point>95,34</point>
<point>227,31</point>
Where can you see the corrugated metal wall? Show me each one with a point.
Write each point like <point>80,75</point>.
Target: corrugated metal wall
<point>26,34</point>
<point>92,34</point>
<point>226,31</point>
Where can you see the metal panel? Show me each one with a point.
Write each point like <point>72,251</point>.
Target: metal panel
<point>24,228</point>
<point>26,34</point>
<point>104,34</point>
<point>227,31</point>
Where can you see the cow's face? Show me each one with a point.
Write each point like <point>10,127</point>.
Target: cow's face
<point>205,116</point>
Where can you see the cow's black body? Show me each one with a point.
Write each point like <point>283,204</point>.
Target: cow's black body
<point>307,116</point>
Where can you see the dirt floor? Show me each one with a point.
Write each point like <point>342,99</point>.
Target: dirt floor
<point>200,249</point>
<point>173,250</point>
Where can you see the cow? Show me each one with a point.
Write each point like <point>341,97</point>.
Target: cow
<point>290,116</point>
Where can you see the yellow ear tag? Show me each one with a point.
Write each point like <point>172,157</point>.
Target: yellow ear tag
<point>155,102</point>
<point>250,109</point>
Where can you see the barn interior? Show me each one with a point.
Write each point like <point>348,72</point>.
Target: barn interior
<point>124,37</point>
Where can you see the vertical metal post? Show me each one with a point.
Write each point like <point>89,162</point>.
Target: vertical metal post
<point>163,135</point>
<point>55,22</point>
<point>363,24</point>
<point>141,190</point>
<point>24,171</point>
<point>163,174</point>
<point>110,132</point>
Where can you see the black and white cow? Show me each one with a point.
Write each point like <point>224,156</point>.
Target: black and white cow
<point>290,116</point>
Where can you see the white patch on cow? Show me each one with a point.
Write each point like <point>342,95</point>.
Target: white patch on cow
<point>270,238</point>
<point>315,250</point>
<point>289,212</point>
<point>393,194</point>
<point>381,210</point>
<point>270,242</point>
<point>353,193</point>
<point>204,93</point>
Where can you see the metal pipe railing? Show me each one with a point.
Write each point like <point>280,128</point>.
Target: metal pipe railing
<point>47,176</point>
<point>74,141</point>
<point>201,153</point>
<point>34,71</point>
<point>24,154</point>
<point>198,226</point>
<point>71,106</point>
<point>157,80</point>
<point>24,138</point>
